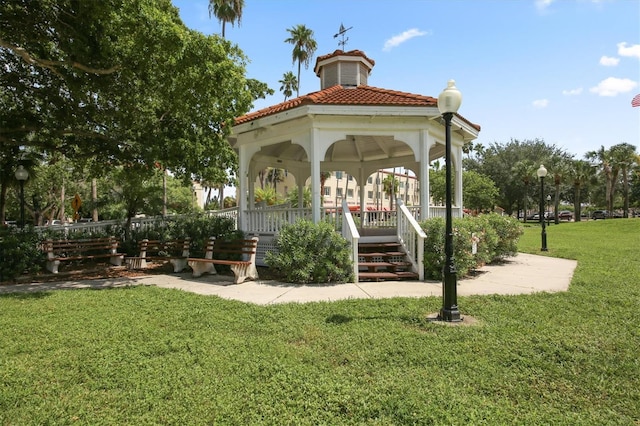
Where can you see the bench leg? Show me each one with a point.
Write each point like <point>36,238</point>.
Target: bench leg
<point>116,260</point>
<point>136,263</point>
<point>242,273</point>
<point>52,266</point>
<point>178,264</point>
<point>200,268</point>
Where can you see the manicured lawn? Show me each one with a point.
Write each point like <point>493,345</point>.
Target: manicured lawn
<point>154,356</point>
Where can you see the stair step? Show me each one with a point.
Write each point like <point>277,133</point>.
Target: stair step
<point>401,264</point>
<point>377,276</point>
<point>377,245</point>
<point>406,274</point>
<point>378,254</point>
<point>371,266</point>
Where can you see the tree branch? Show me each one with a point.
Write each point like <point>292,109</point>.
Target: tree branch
<point>54,65</point>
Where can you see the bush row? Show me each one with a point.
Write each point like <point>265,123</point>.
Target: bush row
<point>495,237</point>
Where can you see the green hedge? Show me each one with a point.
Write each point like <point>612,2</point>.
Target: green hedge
<point>496,238</point>
<point>19,253</point>
<point>20,248</point>
<point>311,253</point>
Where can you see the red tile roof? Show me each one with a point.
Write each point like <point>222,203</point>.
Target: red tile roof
<point>342,53</point>
<point>338,95</point>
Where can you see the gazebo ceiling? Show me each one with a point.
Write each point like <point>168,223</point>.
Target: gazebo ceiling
<point>355,148</point>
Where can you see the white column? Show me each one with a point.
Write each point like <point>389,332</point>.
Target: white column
<point>243,171</point>
<point>362,184</point>
<point>315,159</point>
<point>458,178</point>
<point>425,145</point>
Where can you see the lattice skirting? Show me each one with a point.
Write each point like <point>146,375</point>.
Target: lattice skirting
<point>265,244</point>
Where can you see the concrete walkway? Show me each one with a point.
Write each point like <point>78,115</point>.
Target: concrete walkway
<point>522,274</point>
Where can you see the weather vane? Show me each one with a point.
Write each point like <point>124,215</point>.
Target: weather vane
<point>342,31</point>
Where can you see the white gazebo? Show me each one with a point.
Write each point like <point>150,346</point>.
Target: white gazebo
<point>346,126</point>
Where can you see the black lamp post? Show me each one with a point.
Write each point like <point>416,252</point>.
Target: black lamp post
<point>22,175</point>
<point>548,209</point>
<point>448,103</point>
<point>542,173</point>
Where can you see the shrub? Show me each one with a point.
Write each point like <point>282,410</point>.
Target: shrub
<point>311,253</point>
<point>496,238</point>
<point>509,230</point>
<point>19,253</point>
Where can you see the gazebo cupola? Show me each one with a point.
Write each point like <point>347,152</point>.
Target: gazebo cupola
<point>347,69</point>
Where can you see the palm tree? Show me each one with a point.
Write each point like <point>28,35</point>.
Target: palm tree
<point>323,178</point>
<point>390,187</point>
<point>624,156</point>
<point>226,11</point>
<point>289,83</point>
<point>602,158</point>
<point>581,173</point>
<point>525,170</point>
<point>559,170</point>
<point>304,46</point>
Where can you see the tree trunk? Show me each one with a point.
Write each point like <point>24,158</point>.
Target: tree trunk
<point>94,199</point>
<point>577,213</point>
<point>3,204</point>
<point>164,193</point>
<point>625,189</point>
<point>61,214</point>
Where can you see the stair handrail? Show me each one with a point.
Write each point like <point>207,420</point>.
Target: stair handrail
<point>351,234</point>
<point>412,237</point>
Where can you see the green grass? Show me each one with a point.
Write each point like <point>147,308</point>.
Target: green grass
<point>155,356</point>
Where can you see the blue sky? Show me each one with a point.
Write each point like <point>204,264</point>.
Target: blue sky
<point>564,71</point>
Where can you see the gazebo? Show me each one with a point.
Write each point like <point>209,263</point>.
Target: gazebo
<point>345,126</point>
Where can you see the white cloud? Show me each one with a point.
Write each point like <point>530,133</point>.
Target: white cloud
<point>572,92</point>
<point>608,61</point>
<point>397,40</point>
<point>542,5</point>
<point>541,103</point>
<point>613,86</point>
<point>624,50</point>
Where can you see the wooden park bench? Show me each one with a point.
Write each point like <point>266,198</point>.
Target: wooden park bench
<point>84,249</point>
<point>239,254</point>
<point>175,252</point>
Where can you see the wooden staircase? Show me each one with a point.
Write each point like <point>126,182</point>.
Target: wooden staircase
<point>383,260</point>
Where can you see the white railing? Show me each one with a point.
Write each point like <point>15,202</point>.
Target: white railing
<point>378,218</point>
<point>139,223</point>
<point>231,213</point>
<point>411,236</point>
<point>270,221</point>
<point>441,211</point>
<point>351,234</point>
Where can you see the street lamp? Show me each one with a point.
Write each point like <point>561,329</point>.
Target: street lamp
<point>542,172</point>
<point>448,103</point>
<point>548,209</point>
<point>22,175</point>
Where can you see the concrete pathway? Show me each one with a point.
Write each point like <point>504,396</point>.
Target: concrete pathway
<point>522,274</point>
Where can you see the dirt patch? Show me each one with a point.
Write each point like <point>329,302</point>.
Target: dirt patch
<point>92,271</point>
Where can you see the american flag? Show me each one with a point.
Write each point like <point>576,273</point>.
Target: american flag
<point>635,102</point>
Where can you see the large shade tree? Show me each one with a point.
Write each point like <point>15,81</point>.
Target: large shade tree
<point>120,80</point>
<point>497,161</point>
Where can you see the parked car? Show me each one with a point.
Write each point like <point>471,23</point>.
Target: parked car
<point>536,216</point>
<point>605,214</point>
<point>565,215</point>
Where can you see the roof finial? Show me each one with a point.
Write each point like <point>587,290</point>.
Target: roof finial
<point>342,31</point>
